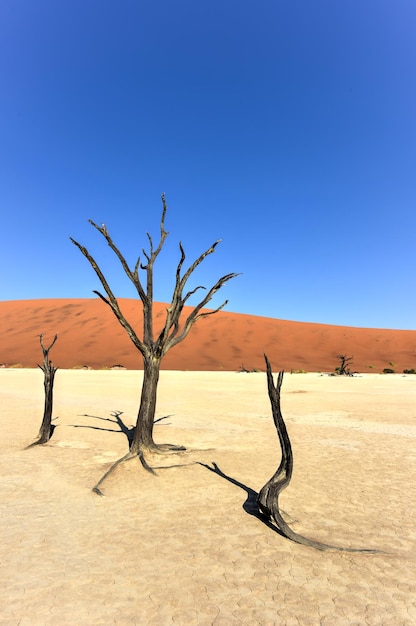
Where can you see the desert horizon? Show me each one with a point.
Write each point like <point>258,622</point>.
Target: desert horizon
<point>90,336</point>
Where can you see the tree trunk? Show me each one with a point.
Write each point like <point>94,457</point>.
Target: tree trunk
<point>45,431</point>
<point>268,497</point>
<point>48,369</point>
<point>143,434</point>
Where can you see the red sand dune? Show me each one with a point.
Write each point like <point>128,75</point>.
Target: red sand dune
<point>89,334</point>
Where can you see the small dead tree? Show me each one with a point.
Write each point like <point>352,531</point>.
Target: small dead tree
<point>49,371</point>
<point>153,348</point>
<point>344,362</point>
<point>268,497</point>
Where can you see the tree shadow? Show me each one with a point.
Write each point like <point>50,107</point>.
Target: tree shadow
<point>250,505</point>
<point>53,426</point>
<point>123,428</point>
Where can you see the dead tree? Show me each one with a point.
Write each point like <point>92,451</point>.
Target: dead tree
<point>153,348</point>
<point>49,371</point>
<point>268,498</point>
<point>343,367</point>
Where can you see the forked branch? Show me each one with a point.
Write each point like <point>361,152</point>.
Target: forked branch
<point>170,335</point>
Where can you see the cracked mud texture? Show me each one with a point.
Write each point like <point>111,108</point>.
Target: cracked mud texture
<point>179,548</point>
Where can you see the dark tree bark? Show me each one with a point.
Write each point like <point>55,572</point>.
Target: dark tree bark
<point>175,329</point>
<point>49,371</point>
<point>268,498</point>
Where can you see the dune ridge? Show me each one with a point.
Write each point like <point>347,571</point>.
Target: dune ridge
<point>89,335</point>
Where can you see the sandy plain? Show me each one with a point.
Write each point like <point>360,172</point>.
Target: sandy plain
<point>181,547</point>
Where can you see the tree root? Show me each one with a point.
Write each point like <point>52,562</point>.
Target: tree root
<point>285,531</point>
<point>162,467</point>
<point>43,436</point>
<point>165,448</point>
<point>127,457</point>
<point>38,442</point>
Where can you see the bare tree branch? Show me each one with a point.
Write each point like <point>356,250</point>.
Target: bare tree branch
<point>169,335</point>
<point>103,298</point>
<point>196,315</point>
<point>131,274</point>
<point>112,301</point>
<point>195,264</point>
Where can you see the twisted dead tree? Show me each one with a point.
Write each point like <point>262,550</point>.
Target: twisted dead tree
<point>153,348</point>
<point>268,497</point>
<point>49,371</point>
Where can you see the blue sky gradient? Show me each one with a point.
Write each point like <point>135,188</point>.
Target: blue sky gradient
<point>285,128</point>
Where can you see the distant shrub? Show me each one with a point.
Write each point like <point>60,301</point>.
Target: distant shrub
<point>412,371</point>
<point>388,370</point>
<point>298,371</point>
<point>243,370</point>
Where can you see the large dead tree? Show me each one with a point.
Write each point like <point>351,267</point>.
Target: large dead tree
<point>49,371</point>
<point>153,348</point>
<point>268,497</point>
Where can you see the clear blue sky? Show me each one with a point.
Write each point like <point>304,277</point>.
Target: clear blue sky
<point>285,128</point>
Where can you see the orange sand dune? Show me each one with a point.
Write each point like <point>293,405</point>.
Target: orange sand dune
<point>89,334</point>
